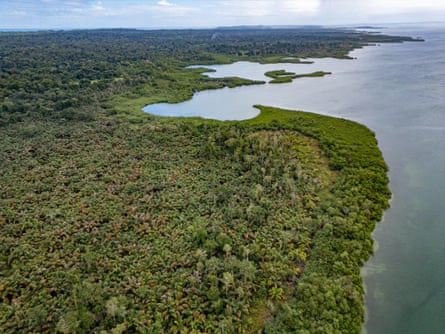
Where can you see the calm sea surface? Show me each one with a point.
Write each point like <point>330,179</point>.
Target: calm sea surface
<point>397,90</point>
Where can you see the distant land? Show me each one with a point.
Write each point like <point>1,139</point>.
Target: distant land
<point>238,27</point>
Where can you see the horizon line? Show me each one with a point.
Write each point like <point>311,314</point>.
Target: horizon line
<point>379,25</point>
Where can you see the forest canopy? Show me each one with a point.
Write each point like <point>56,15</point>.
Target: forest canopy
<point>117,221</point>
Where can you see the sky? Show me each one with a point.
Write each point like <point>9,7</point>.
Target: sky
<point>68,14</point>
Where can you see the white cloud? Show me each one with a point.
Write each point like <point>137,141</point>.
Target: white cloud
<point>301,6</point>
<point>376,11</point>
<point>404,6</point>
<point>169,8</point>
<point>165,3</point>
<point>270,8</point>
<point>243,8</point>
<point>98,7</point>
<point>18,13</point>
<point>122,11</point>
<point>256,8</point>
<point>139,11</point>
<point>207,13</point>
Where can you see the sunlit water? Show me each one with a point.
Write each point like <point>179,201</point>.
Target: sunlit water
<point>398,90</point>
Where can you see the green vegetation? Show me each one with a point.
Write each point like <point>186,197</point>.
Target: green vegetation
<point>281,76</point>
<point>328,297</point>
<point>188,223</point>
<point>280,59</point>
<point>69,74</point>
<point>116,221</point>
<point>312,74</point>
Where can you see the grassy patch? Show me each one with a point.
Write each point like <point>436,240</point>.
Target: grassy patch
<point>282,76</point>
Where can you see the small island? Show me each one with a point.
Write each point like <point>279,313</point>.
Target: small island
<point>282,76</point>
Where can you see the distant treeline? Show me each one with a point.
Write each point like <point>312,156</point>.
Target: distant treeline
<point>58,73</point>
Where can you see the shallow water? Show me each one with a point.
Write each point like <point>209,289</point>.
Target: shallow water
<point>398,90</point>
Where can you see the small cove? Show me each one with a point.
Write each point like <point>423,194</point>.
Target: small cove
<point>397,90</point>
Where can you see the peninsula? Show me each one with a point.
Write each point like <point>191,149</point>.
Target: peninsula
<point>114,220</point>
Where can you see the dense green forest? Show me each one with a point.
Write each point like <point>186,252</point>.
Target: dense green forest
<point>116,221</point>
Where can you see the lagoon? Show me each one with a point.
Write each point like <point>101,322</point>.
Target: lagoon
<point>397,90</point>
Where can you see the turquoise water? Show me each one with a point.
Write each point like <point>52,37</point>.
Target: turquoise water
<point>397,90</point>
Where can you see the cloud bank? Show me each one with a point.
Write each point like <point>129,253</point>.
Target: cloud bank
<point>202,13</point>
